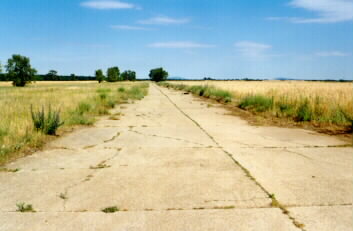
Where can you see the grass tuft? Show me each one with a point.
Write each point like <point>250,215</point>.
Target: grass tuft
<point>48,122</point>
<point>112,209</point>
<point>24,208</point>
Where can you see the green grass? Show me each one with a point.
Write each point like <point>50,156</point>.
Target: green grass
<point>304,112</point>
<point>256,103</point>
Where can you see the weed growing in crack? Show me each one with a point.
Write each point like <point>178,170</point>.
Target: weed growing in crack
<point>274,202</point>
<point>63,196</point>
<point>9,170</point>
<point>24,208</point>
<point>112,209</point>
<point>224,207</point>
<point>100,166</point>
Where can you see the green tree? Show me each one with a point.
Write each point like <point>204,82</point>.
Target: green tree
<point>99,76</point>
<point>52,75</point>
<point>73,77</point>
<point>158,74</point>
<point>0,68</point>
<point>113,74</point>
<point>128,75</point>
<point>20,71</point>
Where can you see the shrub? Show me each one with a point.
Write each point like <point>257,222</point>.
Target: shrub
<point>121,89</point>
<point>48,124</point>
<point>257,103</point>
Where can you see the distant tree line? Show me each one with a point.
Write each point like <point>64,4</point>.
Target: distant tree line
<point>114,75</point>
<point>20,72</point>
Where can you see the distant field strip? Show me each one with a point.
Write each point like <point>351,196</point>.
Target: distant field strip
<point>317,102</point>
<point>79,104</point>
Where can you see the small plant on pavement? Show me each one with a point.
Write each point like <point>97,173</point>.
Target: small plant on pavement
<point>112,209</point>
<point>24,208</point>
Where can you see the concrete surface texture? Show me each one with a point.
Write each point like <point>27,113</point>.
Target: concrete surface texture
<point>174,163</point>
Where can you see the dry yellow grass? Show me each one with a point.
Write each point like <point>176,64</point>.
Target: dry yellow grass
<point>16,127</point>
<point>325,98</point>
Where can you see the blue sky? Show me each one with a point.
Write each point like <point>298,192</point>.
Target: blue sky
<point>310,39</point>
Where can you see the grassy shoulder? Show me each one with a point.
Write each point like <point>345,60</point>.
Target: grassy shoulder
<point>303,111</point>
<point>73,104</point>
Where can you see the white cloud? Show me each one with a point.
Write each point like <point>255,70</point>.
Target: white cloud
<point>164,21</point>
<point>332,53</point>
<point>327,11</point>
<point>127,27</point>
<point>183,44</point>
<point>107,5</point>
<point>252,49</point>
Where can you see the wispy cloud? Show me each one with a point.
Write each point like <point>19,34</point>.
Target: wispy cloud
<point>164,21</point>
<point>252,49</point>
<point>127,27</point>
<point>327,11</point>
<point>108,5</point>
<point>332,53</point>
<point>183,44</point>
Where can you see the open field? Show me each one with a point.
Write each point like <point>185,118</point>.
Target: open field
<point>321,103</point>
<point>79,103</point>
<point>174,163</point>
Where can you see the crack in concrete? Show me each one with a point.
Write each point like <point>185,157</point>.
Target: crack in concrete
<point>113,138</point>
<point>246,171</point>
<point>62,148</point>
<point>318,205</point>
<point>168,137</point>
<point>304,146</point>
<point>87,178</point>
<point>251,199</point>
<point>219,207</point>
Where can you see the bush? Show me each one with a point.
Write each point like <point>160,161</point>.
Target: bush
<point>48,124</point>
<point>257,103</point>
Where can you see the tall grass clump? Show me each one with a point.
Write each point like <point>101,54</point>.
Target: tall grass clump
<point>137,92</point>
<point>258,103</point>
<point>80,115</point>
<point>304,112</point>
<point>46,122</point>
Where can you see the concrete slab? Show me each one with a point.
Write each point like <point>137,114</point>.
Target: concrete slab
<point>41,188</point>
<point>140,188</point>
<point>195,220</point>
<point>325,218</point>
<point>299,178</point>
